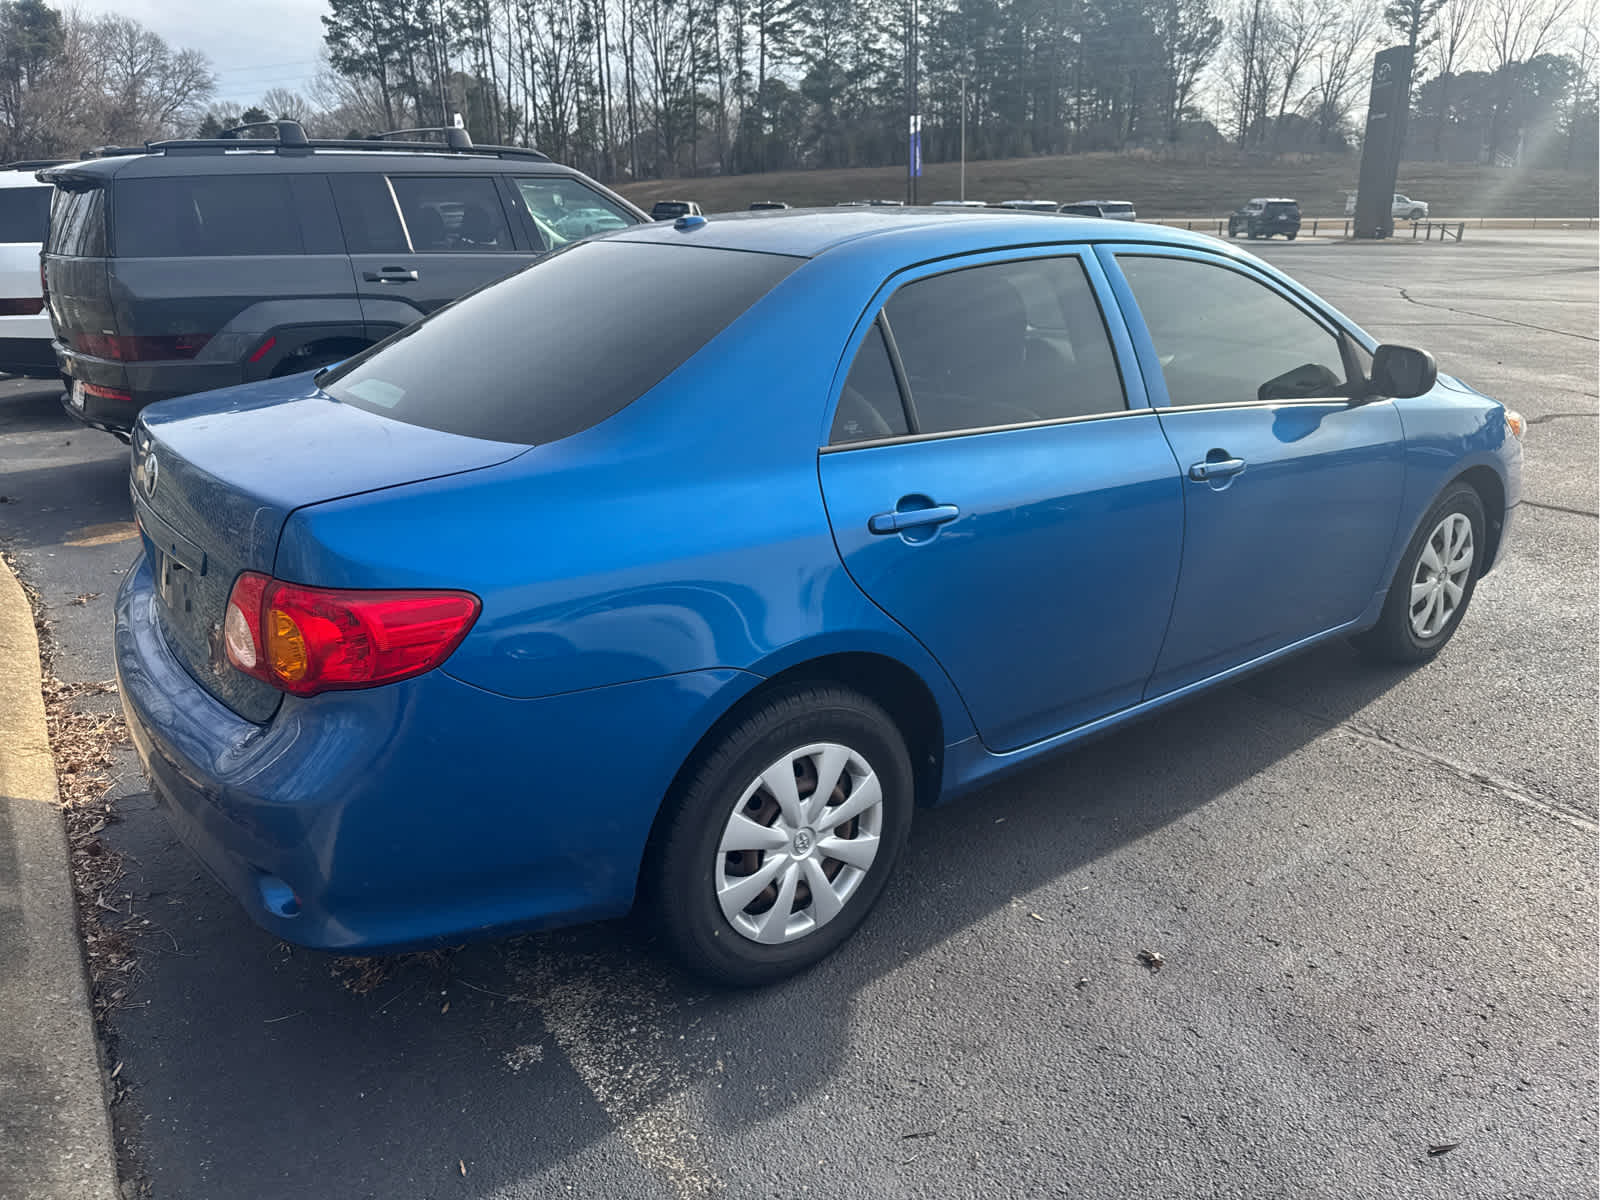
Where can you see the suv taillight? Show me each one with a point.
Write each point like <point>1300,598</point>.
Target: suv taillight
<point>306,640</point>
<point>123,348</point>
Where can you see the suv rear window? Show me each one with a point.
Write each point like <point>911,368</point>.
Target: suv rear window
<point>669,209</point>
<point>561,345</point>
<point>1290,209</point>
<point>205,216</point>
<point>24,213</point>
<point>78,223</point>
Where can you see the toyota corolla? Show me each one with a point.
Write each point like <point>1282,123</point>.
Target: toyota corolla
<point>677,570</point>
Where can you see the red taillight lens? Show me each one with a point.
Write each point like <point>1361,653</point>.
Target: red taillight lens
<point>123,348</point>
<point>306,640</point>
<point>107,393</point>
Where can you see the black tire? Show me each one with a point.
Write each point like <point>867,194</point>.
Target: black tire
<point>678,891</point>
<point>1251,234</point>
<point>1292,236</point>
<point>1417,214</point>
<point>1394,639</point>
<point>1233,232</point>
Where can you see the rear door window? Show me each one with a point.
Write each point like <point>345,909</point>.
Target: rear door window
<point>1005,344</point>
<point>561,345</point>
<point>78,223</point>
<point>205,216</point>
<point>24,213</point>
<point>368,214</point>
<point>452,214</point>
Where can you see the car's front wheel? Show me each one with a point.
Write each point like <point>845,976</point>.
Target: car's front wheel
<point>783,837</point>
<point>1434,582</point>
<point>1417,214</point>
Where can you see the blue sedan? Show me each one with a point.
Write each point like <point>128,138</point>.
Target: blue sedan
<point>676,571</point>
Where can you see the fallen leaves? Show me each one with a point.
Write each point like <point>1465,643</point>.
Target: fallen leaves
<point>1437,1148</point>
<point>1152,959</point>
<point>83,598</point>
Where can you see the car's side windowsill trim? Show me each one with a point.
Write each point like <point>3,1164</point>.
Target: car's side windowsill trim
<point>904,438</point>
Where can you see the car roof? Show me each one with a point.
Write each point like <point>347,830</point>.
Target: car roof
<point>1273,200</point>
<point>909,234</point>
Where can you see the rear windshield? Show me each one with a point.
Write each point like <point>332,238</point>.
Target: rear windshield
<point>24,213</point>
<point>669,208</point>
<point>561,345</point>
<point>1118,208</point>
<point>1082,210</point>
<point>1289,209</point>
<point>78,223</point>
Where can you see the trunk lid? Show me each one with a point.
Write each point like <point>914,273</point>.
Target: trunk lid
<point>215,477</point>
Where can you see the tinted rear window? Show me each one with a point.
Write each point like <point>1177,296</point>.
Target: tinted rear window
<point>1119,208</point>
<point>78,223</point>
<point>560,346</point>
<point>668,208</point>
<point>206,216</point>
<point>1292,210</point>
<point>24,213</point>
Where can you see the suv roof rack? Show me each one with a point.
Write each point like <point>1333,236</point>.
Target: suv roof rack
<point>292,139</point>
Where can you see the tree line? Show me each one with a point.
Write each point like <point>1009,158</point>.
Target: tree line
<point>635,89</point>
<point>645,88</point>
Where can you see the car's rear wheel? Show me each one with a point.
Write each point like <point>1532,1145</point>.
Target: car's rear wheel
<point>1434,582</point>
<point>1292,236</point>
<point>1417,214</point>
<point>783,838</point>
<point>1251,234</point>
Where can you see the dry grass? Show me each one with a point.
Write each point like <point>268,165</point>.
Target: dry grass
<point>1158,187</point>
<point>82,739</point>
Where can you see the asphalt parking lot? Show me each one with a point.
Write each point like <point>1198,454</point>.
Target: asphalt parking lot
<point>1372,891</point>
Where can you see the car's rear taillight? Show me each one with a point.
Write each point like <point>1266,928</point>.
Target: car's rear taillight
<point>306,640</point>
<point>125,348</point>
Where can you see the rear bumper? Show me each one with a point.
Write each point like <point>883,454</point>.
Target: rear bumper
<point>145,382</point>
<point>417,814</point>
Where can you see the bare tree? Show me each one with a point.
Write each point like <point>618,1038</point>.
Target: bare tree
<point>152,90</point>
<point>1517,31</point>
<point>1301,30</point>
<point>1339,67</point>
<point>1459,23</point>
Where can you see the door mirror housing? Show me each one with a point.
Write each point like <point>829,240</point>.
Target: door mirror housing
<point>1400,372</point>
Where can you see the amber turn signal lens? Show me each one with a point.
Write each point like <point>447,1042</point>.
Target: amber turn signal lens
<point>1515,423</point>
<point>286,647</point>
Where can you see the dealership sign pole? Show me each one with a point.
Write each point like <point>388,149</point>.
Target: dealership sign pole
<point>1380,149</point>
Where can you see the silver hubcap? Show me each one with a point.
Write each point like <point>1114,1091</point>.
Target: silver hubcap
<point>798,843</point>
<point>1440,579</point>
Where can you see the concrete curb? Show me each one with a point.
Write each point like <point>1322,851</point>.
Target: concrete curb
<point>55,1128</point>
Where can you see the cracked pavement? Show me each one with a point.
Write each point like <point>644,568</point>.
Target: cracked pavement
<point>1372,891</point>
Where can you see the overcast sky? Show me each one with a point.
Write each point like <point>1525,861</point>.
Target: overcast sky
<point>252,45</point>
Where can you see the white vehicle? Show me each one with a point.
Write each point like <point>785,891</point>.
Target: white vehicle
<point>1403,208</point>
<point>1030,205</point>
<point>24,220</point>
<point>1407,209</point>
<point>959,204</point>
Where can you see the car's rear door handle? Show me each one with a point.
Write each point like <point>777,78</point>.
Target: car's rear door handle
<point>1220,468</point>
<point>391,275</point>
<point>895,522</point>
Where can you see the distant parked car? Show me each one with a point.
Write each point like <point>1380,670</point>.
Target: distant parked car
<point>853,204</point>
<point>671,210</point>
<point>1407,209</point>
<point>765,205</point>
<point>198,264</point>
<point>24,221</point>
<point>1049,206</point>
<point>1266,216</point>
<point>1110,210</point>
<point>887,203</point>
<point>959,204</point>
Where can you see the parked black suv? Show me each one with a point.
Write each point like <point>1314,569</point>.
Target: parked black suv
<point>1264,217</point>
<point>191,265</point>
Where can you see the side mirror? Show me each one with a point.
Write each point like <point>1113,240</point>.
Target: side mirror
<point>1399,372</point>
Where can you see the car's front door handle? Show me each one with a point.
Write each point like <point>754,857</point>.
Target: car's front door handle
<point>895,522</point>
<point>391,275</point>
<point>1220,468</point>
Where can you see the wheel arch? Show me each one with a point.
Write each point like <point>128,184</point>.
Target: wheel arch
<point>1491,489</point>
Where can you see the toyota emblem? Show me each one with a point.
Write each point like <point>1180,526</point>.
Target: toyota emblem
<point>148,471</point>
